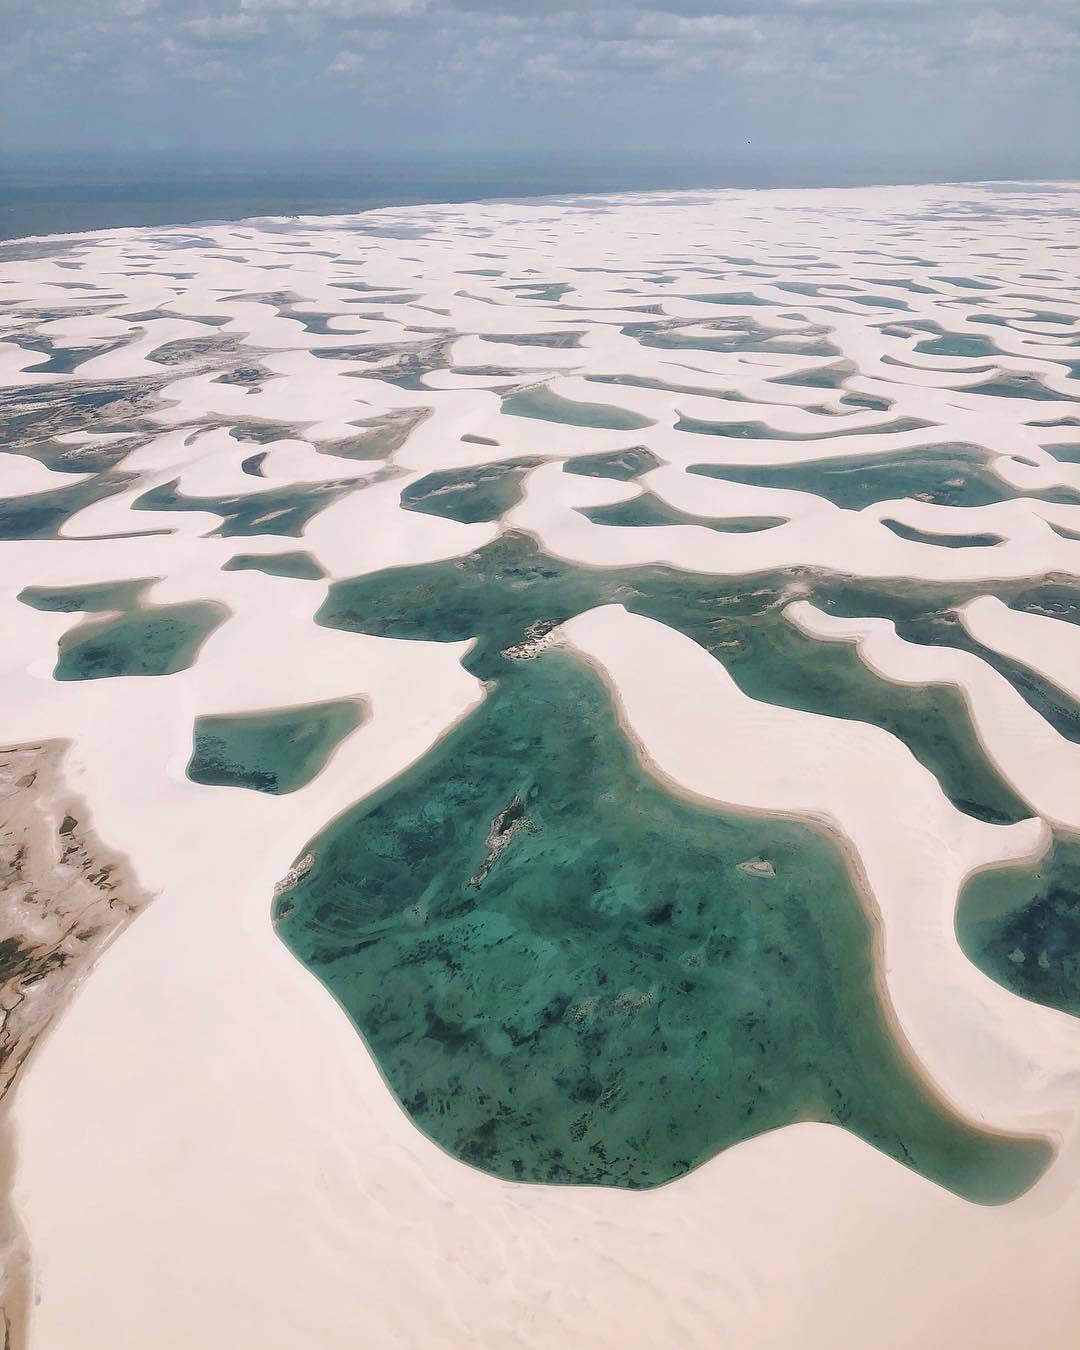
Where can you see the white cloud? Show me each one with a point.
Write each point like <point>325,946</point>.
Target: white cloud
<point>546,68</point>
<point>338,9</point>
<point>223,28</point>
<point>134,9</point>
<point>210,72</point>
<point>345,63</point>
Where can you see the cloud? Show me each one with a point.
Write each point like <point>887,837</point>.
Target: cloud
<point>338,9</point>
<point>546,68</point>
<point>211,72</point>
<point>219,29</point>
<point>345,63</point>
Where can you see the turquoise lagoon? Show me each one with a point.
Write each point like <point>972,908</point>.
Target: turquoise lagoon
<point>568,974</point>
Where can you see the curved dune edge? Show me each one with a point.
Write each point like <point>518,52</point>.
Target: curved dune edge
<point>203,1143</point>
<point>1042,766</point>
<point>994,1055</point>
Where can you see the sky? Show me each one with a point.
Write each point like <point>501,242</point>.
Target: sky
<point>818,79</point>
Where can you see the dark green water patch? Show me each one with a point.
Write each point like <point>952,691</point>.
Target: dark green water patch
<point>664,386</point>
<point>821,377</point>
<point>620,464</point>
<point>1017,386</point>
<point>1065,454</point>
<point>942,540</point>
<point>479,493</point>
<point>546,406</point>
<point>40,515</point>
<point>761,431</point>
<point>557,340</point>
<point>1021,926</point>
<point>649,509</point>
<point>262,433</point>
<point>299,566</point>
<point>380,437</point>
<point>95,597</point>
<point>284,510</point>
<point>866,401</point>
<point>568,975</point>
<point>494,594</point>
<point>158,640</point>
<point>954,475</point>
<point>926,615</point>
<point>253,465</point>
<point>276,752</point>
<point>955,344</point>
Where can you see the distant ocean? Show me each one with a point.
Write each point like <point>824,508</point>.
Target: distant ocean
<point>51,192</point>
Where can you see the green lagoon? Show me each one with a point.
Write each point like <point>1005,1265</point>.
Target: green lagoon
<point>277,751</point>
<point>568,974</point>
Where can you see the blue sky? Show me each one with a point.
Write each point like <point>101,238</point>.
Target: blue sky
<point>824,78</point>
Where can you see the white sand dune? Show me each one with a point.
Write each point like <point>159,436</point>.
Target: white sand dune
<point>205,1152</point>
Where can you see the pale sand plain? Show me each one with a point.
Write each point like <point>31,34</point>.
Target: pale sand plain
<point>205,1153</point>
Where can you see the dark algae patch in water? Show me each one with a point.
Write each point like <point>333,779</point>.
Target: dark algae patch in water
<point>151,640</point>
<point>1021,926</point>
<point>566,976</point>
<point>276,751</point>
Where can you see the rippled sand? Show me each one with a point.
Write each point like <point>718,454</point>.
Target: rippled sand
<point>387,565</point>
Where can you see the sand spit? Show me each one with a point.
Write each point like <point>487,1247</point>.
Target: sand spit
<point>203,1152</point>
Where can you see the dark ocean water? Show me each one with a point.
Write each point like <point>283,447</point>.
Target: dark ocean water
<point>59,192</point>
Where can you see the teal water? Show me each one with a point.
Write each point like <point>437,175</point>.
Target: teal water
<point>557,340</point>
<point>761,431</point>
<point>954,475</point>
<point>1065,454</point>
<point>955,344</point>
<point>277,752</point>
<point>942,540</point>
<point>1021,925</point>
<point>649,509</point>
<point>158,640</point>
<point>501,589</point>
<point>300,566</point>
<point>95,597</point>
<point>41,515</point>
<point>380,437</point>
<point>619,464</point>
<point>567,976</point>
<point>482,492</point>
<point>925,615</point>
<point>548,407</point>
<point>1017,386</point>
<point>823,377</point>
<point>285,511</point>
